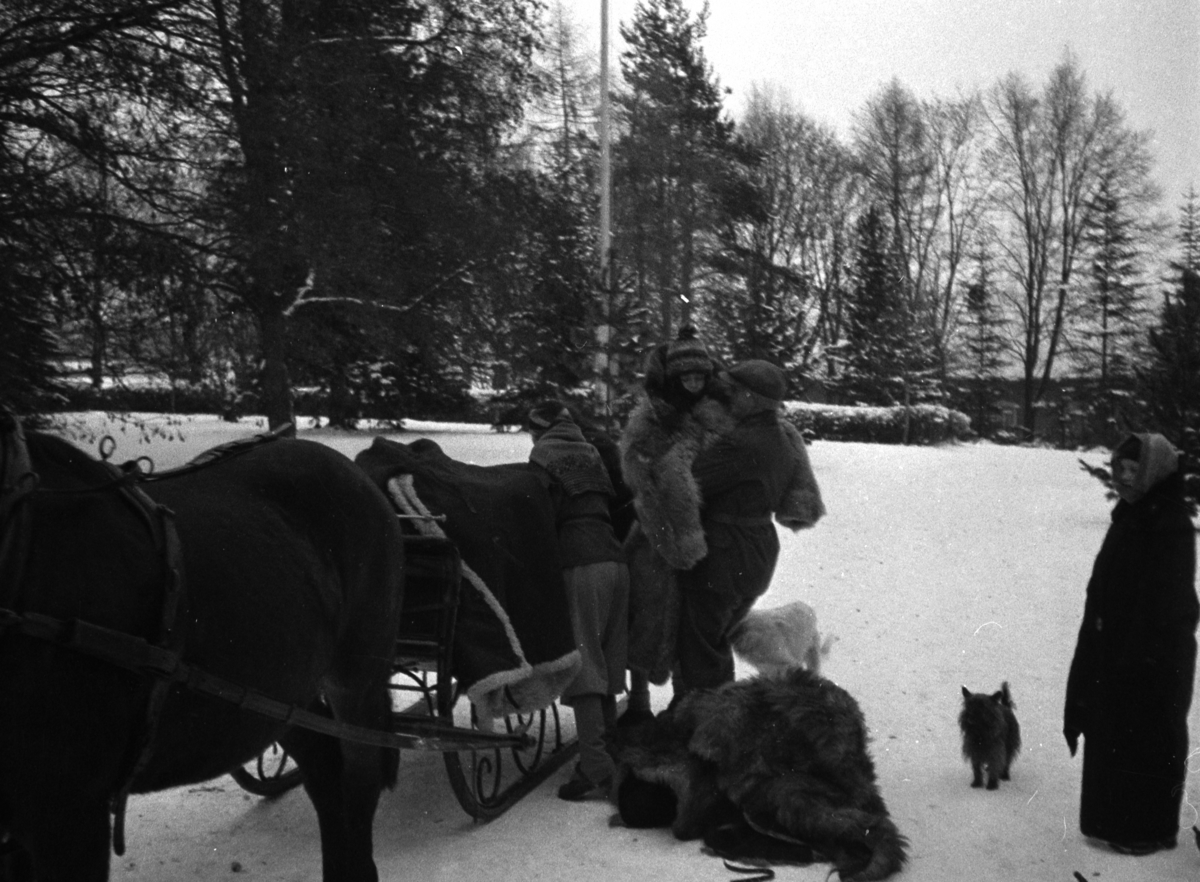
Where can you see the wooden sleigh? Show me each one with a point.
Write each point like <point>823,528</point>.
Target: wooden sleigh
<point>440,583</point>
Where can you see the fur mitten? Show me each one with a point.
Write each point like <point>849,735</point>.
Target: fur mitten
<point>801,505</point>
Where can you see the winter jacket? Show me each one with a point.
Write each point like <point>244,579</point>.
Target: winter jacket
<point>1130,682</point>
<point>743,479</point>
<point>580,490</point>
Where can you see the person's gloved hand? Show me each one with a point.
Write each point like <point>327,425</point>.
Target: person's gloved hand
<point>1072,736</point>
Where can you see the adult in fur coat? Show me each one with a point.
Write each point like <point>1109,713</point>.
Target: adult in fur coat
<point>670,425</point>
<point>1130,684</point>
<point>773,767</point>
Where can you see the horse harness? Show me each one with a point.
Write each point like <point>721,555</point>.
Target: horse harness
<point>162,659</point>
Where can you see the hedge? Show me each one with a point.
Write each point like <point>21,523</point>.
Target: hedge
<point>927,423</point>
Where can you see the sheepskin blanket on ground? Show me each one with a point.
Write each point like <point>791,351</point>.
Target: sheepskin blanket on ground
<point>772,767</point>
<point>514,648</point>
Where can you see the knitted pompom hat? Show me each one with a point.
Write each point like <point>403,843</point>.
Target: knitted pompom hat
<point>686,354</point>
<point>760,377</point>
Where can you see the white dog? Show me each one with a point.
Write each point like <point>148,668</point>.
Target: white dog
<point>774,640</point>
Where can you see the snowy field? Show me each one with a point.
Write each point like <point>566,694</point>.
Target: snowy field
<point>935,567</point>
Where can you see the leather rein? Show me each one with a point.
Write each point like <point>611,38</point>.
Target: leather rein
<point>161,659</point>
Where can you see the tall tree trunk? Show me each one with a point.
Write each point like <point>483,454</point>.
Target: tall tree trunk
<point>276,388</point>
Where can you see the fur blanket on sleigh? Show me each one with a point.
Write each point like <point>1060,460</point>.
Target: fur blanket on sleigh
<point>774,768</point>
<point>514,650</point>
<point>657,448</point>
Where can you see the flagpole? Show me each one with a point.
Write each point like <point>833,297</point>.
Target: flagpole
<point>605,154</point>
<point>604,330</point>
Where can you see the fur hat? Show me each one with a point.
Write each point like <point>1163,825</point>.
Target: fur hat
<point>761,378</point>
<point>686,354</point>
<point>547,413</point>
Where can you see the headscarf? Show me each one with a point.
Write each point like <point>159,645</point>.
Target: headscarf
<point>1157,461</point>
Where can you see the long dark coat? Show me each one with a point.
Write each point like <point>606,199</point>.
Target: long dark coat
<point>1130,684</point>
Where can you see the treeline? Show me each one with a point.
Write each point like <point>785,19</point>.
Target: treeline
<point>383,203</point>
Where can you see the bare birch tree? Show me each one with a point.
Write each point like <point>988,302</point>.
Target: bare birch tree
<point>1048,158</point>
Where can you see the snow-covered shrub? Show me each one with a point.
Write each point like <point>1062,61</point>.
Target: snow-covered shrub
<point>927,423</point>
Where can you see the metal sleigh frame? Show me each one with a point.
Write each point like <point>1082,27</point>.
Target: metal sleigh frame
<point>486,782</point>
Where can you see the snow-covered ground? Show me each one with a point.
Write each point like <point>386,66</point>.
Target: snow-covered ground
<point>935,568</point>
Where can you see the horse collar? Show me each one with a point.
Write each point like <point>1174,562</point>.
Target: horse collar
<point>18,481</point>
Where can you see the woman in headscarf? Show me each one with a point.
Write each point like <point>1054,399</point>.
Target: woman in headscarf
<point>1130,684</point>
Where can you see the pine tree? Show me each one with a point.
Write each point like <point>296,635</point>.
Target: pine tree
<point>28,349</point>
<point>887,360</point>
<point>1189,230</point>
<point>984,346</point>
<point>1170,380</point>
<point>672,159</point>
<point>1112,308</point>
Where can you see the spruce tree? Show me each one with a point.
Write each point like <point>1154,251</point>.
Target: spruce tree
<point>672,160</point>
<point>1189,230</point>
<point>983,350</point>
<point>1170,380</point>
<point>28,348</point>
<point>1112,314</point>
<point>887,361</point>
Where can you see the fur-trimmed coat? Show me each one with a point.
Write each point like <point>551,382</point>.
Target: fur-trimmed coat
<point>658,447</point>
<point>771,766</point>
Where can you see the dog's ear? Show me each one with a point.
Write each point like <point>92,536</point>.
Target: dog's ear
<point>999,698</point>
<point>966,692</point>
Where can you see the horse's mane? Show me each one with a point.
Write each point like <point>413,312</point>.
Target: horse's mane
<point>60,464</point>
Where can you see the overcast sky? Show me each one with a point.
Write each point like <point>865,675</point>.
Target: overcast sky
<point>832,55</point>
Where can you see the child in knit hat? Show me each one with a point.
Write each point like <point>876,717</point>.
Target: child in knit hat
<point>680,373</point>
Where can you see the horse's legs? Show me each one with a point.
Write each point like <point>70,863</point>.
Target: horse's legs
<point>320,764</point>
<point>344,779</point>
<point>71,844</point>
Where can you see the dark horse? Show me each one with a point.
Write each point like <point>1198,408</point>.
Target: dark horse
<point>292,566</point>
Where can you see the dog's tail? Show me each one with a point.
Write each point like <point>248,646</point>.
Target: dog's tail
<point>1006,696</point>
<point>827,644</point>
<point>815,653</point>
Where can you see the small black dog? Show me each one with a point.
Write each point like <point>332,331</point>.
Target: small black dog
<point>991,734</point>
